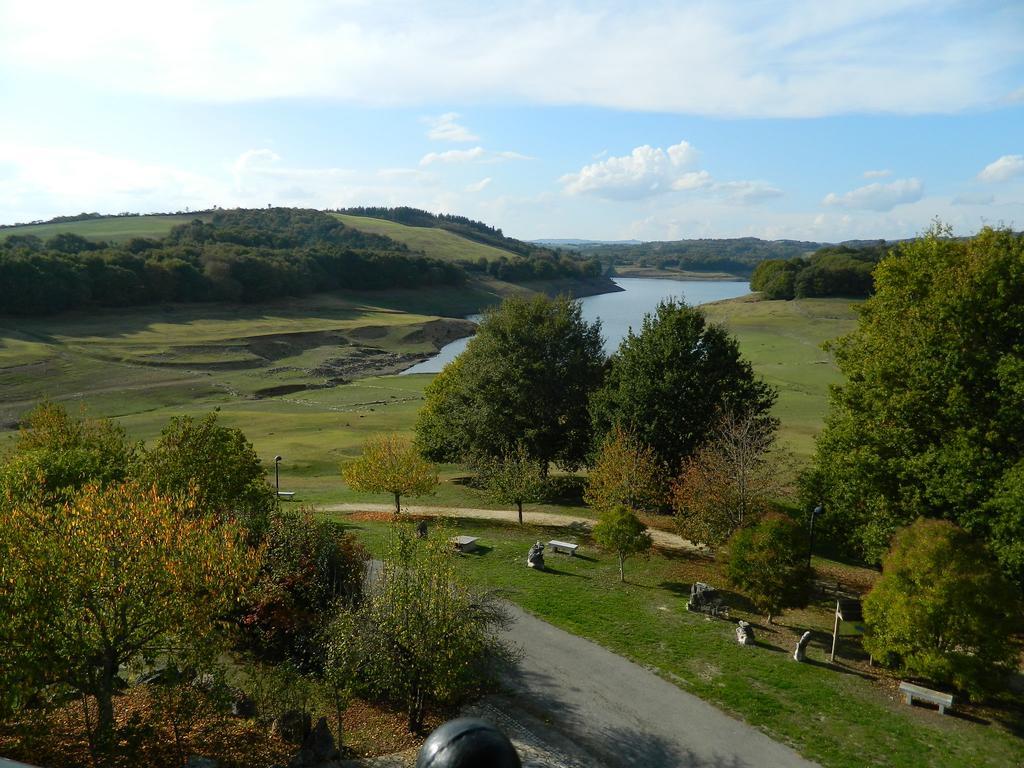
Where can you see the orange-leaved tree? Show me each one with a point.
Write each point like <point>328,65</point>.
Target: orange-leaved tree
<point>116,575</point>
<point>626,473</point>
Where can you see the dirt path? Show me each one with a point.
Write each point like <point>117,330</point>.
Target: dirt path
<point>660,538</point>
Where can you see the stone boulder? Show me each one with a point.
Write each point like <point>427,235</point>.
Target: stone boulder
<point>317,748</point>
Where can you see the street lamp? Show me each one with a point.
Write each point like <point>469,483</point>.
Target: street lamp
<point>277,478</point>
<point>810,549</point>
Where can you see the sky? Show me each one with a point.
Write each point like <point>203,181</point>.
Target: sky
<point>654,120</point>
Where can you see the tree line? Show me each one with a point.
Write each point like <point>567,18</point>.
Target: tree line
<point>738,256</point>
<point>247,256</point>
<point>239,255</point>
<point>838,270</point>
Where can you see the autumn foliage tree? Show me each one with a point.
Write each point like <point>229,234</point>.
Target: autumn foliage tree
<point>625,473</point>
<point>731,480</point>
<point>114,576</point>
<point>391,464</point>
<point>310,567</point>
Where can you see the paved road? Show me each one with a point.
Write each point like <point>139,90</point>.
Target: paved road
<point>660,538</point>
<point>620,714</point>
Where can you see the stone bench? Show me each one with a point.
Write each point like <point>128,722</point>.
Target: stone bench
<point>941,700</point>
<point>287,495</point>
<point>564,547</point>
<point>464,543</point>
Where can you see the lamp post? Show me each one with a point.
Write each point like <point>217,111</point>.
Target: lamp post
<point>810,549</point>
<point>277,476</point>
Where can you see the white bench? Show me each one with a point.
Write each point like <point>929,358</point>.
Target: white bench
<point>564,546</point>
<point>941,700</point>
<point>288,495</point>
<point>464,543</point>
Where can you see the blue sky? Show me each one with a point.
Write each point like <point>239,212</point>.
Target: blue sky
<point>654,120</point>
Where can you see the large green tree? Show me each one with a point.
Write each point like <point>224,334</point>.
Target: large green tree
<point>667,384</point>
<point>524,378</point>
<point>215,464</point>
<point>930,420</point>
<point>57,454</point>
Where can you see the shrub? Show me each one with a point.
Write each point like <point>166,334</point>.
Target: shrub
<point>768,562</point>
<point>421,640</point>
<point>620,531</point>
<point>310,565</point>
<point>942,610</point>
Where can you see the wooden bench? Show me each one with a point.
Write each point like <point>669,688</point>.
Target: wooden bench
<point>464,543</point>
<point>941,700</point>
<point>564,546</point>
<point>287,495</point>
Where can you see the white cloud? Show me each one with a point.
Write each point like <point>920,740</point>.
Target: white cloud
<point>479,186</point>
<point>692,180</point>
<point>474,155</point>
<point>1005,168</point>
<point>748,192</point>
<point>772,58</point>
<point>644,172</point>
<point>879,174</point>
<point>40,181</point>
<point>43,181</point>
<point>878,197</point>
<point>974,198</point>
<point>445,128</point>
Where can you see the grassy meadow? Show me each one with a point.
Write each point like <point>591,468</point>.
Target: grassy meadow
<point>432,242</point>
<point>846,715</point>
<point>113,229</point>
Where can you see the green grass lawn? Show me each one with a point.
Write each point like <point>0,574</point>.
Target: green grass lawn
<point>782,340</point>
<point>432,242</point>
<point>830,714</point>
<point>113,229</point>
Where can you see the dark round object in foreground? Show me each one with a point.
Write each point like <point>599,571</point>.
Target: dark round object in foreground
<point>467,743</point>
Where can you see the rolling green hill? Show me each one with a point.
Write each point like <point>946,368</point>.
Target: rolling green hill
<point>432,242</point>
<point>114,229</point>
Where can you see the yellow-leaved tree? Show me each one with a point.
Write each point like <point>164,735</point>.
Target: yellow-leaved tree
<point>114,576</point>
<point>391,464</point>
<point>626,473</point>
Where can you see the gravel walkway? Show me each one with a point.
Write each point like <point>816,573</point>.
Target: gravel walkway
<point>584,524</point>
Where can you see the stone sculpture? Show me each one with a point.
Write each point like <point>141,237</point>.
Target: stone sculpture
<point>535,558</point>
<point>744,633</point>
<point>801,647</point>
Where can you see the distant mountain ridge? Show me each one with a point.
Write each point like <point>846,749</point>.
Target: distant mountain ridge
<point>570,242</point>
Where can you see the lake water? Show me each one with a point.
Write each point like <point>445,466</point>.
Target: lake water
<point>618,311</point>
